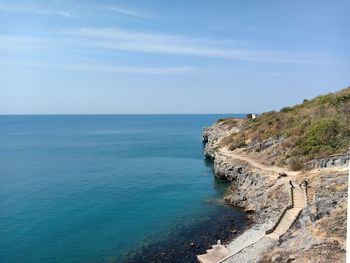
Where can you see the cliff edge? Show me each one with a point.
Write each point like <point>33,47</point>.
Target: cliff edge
<point>262,156</point>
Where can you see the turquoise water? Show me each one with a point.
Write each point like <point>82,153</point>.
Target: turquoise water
<point>94,188</point>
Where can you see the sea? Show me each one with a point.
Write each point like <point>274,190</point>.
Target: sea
<point>109,188</point>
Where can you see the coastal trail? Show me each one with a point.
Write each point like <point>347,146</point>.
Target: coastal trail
<point>271,169</point>
<point>254,241</point>
<point>247,245</point>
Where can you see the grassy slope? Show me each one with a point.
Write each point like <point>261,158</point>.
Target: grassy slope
<point>315,128</point>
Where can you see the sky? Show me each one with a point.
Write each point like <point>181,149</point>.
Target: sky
<point>168,57</point>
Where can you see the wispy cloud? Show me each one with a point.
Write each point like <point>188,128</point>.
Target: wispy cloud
<point>34,11</point>
<point>276,74</point>
<point>119,39</point>
<point>128,12</point>
<point>92,40</point>
<point>104,68</point>
<point>129,70</point>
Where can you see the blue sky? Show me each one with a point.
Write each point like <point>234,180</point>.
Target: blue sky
<point>61,57</point>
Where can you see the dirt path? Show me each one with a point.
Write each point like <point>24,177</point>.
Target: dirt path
<point>243,157</point>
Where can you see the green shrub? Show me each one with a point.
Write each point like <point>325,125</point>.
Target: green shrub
<point>321,136</point>
<point>341,100</point>
<point>324,99</point>
<point>317,127</point>
<point>286,109</point>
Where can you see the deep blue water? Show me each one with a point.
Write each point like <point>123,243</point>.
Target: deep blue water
<point>94,188</point>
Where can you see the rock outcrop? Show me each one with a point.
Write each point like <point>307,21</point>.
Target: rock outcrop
<point>319,233</point>
<point>339,160</point>
<point>254,191</point>
<point>214,134</point>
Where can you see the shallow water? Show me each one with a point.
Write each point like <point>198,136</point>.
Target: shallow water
<point>96,188</point>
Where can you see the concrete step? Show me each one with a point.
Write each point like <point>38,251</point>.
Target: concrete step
<point>214,254</point>
<point>219,250</point>
<point>288,218</point>
<point>281,229</point>
<point>285,225</point>
<point>273,236</point>
<point>209,258</point>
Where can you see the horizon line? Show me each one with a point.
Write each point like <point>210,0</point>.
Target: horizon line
<point>97,114</point>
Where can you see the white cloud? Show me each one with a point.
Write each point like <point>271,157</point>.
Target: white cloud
<point>130,70</point>
<point>92,40</point>
<point>119,39</point>
<point>129,12</point>
<point>95,67</point>
<point>34,11</point>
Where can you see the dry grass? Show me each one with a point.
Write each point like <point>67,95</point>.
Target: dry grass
<point>315,128</point>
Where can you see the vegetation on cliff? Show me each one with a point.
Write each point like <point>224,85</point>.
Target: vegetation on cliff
<point>316,128</point>
<point>319,127</point>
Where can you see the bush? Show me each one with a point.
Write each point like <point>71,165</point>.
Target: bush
<point>295,164</point>
<point>316,128</point>
<point>321,136</point>
<point>286,109</point>
<point>324,99</point>
<point>341,100</point>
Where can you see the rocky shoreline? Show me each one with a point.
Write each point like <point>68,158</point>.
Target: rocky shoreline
<point>321,226</point>
<point>250,189</point>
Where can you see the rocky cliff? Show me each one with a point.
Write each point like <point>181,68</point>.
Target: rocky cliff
<point>339,160</point>
<point>319,233</point>
<point>251,189</point>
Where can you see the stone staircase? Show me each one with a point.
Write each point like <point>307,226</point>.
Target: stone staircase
<point>219,253</point>
<point>299,201</point>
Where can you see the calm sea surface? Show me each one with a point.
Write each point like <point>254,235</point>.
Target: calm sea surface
<point>96,188</point>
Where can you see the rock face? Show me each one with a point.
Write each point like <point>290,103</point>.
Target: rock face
<point>252,191</point>
<point>213,134</point>
<point>259,146</point>
<point>319,234</point>
<point>341,160</point>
